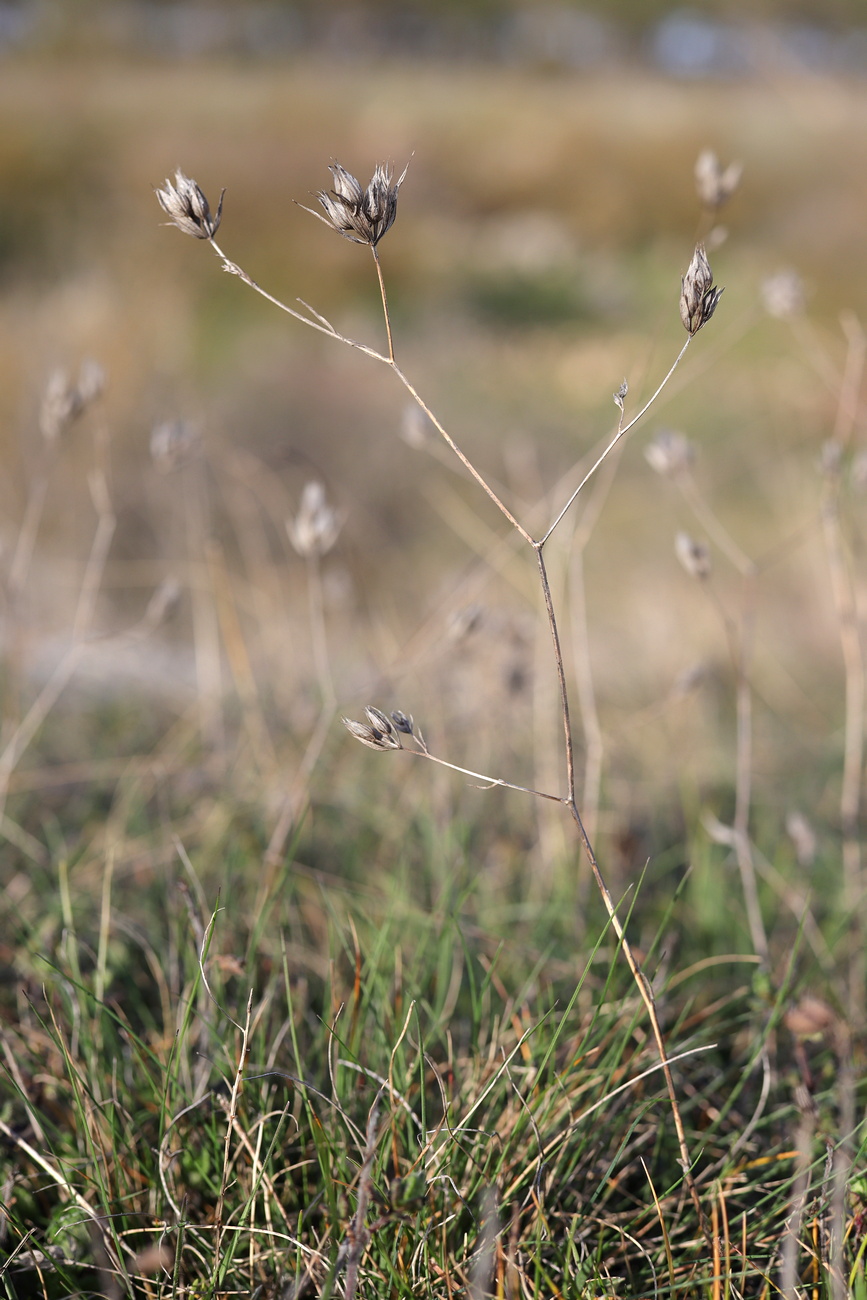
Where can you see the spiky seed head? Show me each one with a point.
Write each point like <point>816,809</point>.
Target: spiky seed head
<point>363,216</point>
<point>317,525</point>
<point>783,294</point>
<point>378,733</point>
<point>693,555</point>
<point>714,183</point>
<point>670,453</point>
<point>698,293</point>
<point>173,443</point>
<point>188,209</point>
<point>65,398</point>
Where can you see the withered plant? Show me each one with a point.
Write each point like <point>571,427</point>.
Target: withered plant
<point>364,216</point>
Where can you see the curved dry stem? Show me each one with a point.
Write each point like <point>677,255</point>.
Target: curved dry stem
<point>622,430</point>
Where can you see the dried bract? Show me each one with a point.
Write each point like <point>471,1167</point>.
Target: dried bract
<point>402,721</point>
<point>379,734</point>
<point>317,525</point>
<point>363,216</point>
<point>783,294</point>
<point>693,555</point>
<point>698,293</point>
<point>714,183</point>
<point>65,399</point>
<point>620,395</point>
<point>188,209</point>
<point>670,453</point>
<point>173,443</point>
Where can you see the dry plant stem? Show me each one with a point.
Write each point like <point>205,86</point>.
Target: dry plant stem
<point>711,524</point>
<point>843,592</point>
<point>358,1233</point>
<point>65,670</point>
<point>622,430</point>
<point>206,633</point>
<point>293,800</point>
<point>323,326</point>
<point>642,984</point>
<point>580,637</point>
<point>384,303</point>
<point>743,794</point>
<point>219,1225</point>
<point>800,1192</point>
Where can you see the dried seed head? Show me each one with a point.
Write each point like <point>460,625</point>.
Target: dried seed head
<point>173,443</point>
<point>380,734</point>
<point>363,216</point>
<point>402,721</point>
<point>65,399</point>
<point>715,184</point>
<point>188,209</point>
<point>803,837</point>
<point>693,555</point>
<point>783,294</point>
<point>698,293</point>
<point>317,525</point>
<point>620,395</point>
<point>670,453</point>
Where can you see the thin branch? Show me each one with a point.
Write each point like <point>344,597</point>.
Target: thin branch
<point>622,430</point>
<point>384,303</point>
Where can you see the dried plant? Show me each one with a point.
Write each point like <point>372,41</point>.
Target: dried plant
<point>364,217</point>
<point>316,526</point>
<point>698,295</point>
<point>188,209</point>
<point>714,183</point>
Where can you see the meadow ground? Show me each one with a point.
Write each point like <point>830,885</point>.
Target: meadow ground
<point>284,1016</point>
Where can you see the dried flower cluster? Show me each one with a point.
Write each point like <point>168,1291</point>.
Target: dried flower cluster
<point>363,216</point>
<point>698,293</point>
<point>783,294</point>
<point>65,399</point>
<point>380,731</point>
<point>173,443</point>
<point>714,183</point>
<point>188,209</point>
<point>317,525</point>
<point>670,453</point>
<point>693,555</point>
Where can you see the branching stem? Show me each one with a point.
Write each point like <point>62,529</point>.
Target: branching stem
<point>317,322</point>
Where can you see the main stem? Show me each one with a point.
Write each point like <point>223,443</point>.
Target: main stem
<point>642,983</point>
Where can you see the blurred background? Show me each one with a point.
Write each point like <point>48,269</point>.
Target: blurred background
<point>548,214</point>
